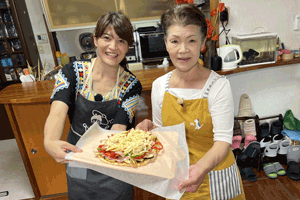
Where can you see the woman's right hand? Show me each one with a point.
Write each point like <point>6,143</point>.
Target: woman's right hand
<point>57,149</point>
<point>146,125</point>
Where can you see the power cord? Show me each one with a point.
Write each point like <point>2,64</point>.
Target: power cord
<point>223,19</point>
<point>226,31</point>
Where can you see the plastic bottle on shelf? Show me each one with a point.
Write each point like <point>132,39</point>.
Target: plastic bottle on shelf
<point>58,57</point>
<point>64,59</point>
<point>166,62</point>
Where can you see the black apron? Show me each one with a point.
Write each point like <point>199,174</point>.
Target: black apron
<point>86,183</point>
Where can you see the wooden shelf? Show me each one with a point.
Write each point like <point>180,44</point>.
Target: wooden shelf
<point>24,65</point>
<point>10,52</point>
<point>8,66</point>
<point>147,76</point>
<point>16,52</point>
<point>250,68</point>
<point>10,38</point>
<point>3,53</point>
<point>17,17</point>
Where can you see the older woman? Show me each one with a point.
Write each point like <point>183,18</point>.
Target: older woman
<point>203,100</point>
<point>100,90</point>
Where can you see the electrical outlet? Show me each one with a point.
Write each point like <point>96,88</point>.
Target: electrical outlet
<point>297,22</point>
<point>41,49</point>
<point>42,38</point>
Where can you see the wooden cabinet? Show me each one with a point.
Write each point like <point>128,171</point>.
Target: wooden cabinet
<point>6,132</point>
<point>27,107</point>
<point>31,118</point>
<point>17,44</point>
<point>74,14</point>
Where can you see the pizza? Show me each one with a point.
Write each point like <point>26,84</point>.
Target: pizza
<point>133,148</point>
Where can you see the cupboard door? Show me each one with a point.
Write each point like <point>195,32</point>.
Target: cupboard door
<point>75,13</point>
<point>50,175</point>
<point>144,10</point>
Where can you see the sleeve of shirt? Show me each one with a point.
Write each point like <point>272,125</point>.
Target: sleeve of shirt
<point>125,115</point>
<point>222,110</point>
<point>157,95</point>
<point>64,88</point>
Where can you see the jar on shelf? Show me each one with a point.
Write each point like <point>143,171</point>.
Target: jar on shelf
<point>16,45</point>
<point>1,32</point>
<point>4,3</point>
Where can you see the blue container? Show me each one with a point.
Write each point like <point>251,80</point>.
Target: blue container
<point>9,62</point>
<point>3,62</point>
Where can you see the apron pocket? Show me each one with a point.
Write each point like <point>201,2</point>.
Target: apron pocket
<point>225,184</point>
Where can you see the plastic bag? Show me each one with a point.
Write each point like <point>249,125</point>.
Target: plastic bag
<point>290,122</point>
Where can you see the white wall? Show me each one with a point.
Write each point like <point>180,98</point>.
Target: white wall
<point>37,22</point>
<point>274,16</point>
<point>272,90</point>
<point>69,41</point>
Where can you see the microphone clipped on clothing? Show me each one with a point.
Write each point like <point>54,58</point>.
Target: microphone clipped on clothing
<point>180,101</point>
<point>98,97</point>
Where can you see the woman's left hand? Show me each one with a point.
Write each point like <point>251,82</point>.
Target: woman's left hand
<point>196,176</point>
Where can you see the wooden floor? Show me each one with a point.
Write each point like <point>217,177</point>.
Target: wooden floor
<point>264,188</point>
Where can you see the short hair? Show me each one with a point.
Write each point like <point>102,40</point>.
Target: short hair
<point>184,14</point>
<point>119,22</point>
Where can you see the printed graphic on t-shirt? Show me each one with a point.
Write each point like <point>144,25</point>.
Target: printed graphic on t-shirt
<point>197,124</point>
<point>61,83</point>
<point>100,118</point>
<point>129,106</point>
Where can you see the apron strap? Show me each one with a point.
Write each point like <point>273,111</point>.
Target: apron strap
<point>205,95</point>
<point>167,82</point>
<point>86,80</point>
<point>116,92</point>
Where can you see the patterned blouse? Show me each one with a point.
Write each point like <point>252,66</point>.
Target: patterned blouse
<point>70,80</point>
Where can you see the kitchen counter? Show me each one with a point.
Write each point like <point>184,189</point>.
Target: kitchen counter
<point>41,91</point>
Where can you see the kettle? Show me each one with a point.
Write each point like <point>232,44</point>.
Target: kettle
<point>231,55</point>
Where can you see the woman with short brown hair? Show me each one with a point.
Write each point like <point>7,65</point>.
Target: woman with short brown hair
<point>99,90</point>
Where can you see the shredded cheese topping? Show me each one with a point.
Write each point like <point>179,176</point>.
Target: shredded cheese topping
<point>134,141</point>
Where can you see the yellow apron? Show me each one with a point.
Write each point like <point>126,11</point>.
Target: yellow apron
<point>222,182</point>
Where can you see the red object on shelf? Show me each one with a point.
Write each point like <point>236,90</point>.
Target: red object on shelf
<point>26,71</point>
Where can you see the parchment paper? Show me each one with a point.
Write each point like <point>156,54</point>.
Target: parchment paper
<point>160,177</point>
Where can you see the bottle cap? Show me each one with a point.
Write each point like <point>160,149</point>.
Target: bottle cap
<point>58,54</point>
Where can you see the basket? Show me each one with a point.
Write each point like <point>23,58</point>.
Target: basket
<point>293,135</point>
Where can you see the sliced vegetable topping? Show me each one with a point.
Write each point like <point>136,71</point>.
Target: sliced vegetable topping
<point>157,145</point>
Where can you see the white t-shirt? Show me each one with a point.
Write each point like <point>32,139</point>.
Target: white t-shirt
<point>220,103</point>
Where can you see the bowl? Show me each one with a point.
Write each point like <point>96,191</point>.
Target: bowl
<point>288,56</point>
